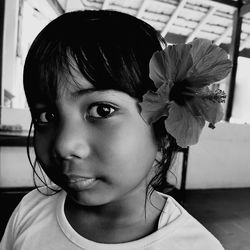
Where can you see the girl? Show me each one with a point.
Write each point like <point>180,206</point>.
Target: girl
<point>86,79</point>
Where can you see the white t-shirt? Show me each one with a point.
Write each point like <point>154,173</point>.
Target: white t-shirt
<point>39,222</point>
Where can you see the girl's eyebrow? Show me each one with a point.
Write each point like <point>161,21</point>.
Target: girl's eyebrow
<point>82,92</point>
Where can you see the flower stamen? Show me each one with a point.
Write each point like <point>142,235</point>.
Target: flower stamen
<point>217,95</point>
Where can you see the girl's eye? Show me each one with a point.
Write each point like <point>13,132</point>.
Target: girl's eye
<point>45,117</point>
<point>101,111</point>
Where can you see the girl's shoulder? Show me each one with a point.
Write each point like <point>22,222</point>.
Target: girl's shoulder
<point>35,212</point>
<point>178,224</point>
<point>36,203</point>
<point>41,194</point>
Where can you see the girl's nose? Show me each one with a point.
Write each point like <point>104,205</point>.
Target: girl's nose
<point>71,142</point>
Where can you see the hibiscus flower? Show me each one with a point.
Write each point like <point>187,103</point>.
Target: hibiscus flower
<point>182,74</point>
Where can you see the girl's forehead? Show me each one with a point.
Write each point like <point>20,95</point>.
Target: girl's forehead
<point>70,78</point>
<point>72,82</point>
<point>65,85</point>
<point>75,86</point>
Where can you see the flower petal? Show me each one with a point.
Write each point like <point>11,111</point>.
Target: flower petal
<point>158,71</point>
<point>211,63</point>
<point>155,104</point>
<point>183,126</point>
<point>210,110</point>
<point>171,64</point>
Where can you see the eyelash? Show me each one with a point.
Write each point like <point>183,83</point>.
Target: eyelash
<point>103,105</point>
<point>38,116</point>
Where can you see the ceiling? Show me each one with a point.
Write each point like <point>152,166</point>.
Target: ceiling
<point>177,20</point>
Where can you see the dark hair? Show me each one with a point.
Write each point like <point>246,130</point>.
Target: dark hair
<point>111,50</point>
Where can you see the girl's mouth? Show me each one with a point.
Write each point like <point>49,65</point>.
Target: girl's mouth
<point>80,183</point>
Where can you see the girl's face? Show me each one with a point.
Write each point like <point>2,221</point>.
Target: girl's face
<point>94,144</point>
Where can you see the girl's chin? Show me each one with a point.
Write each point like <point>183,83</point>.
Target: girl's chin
<point>89,194</point>
<point>89,199</point>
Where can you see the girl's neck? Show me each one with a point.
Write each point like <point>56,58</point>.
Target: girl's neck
<point>116,222</point>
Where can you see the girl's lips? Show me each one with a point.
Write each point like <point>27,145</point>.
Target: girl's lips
<point>80,183</point>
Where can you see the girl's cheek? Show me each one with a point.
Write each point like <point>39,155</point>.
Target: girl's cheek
<point>107,128</point>
<point>113,136</point>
